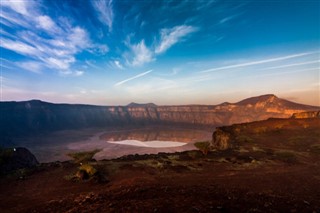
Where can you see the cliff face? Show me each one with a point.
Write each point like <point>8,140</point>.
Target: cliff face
<point>271,131</point>
<point>252,109</point>
<point>314,114</point>
<point>36,116</point>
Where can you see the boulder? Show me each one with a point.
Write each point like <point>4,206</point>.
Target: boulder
<point>12,159</point>
<point>221,140</point>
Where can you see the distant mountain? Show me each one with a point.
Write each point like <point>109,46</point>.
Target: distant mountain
<point>141,105</point>
<point>271,101</point>
<point>30,117</point>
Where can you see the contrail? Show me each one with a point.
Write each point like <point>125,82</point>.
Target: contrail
<point>257,62</point>
<point>134,77</point>
<point>292,65</point>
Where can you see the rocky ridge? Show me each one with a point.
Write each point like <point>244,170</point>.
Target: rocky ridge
<point>30,117</point>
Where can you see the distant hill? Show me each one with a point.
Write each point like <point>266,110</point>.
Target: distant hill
<point>271,101</point>
<point>141,105</point>
<point>35,116</point>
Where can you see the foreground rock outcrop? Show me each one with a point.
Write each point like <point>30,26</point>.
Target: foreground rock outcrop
<point>228,137</point>
<point>16,158</point>
<point>222,139</point>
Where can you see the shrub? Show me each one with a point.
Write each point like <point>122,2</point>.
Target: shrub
<point>244,138</point>
<point>261,129</point>
<point>194,154</point>
<point>83,157</point>
<point>88,169</point>
<point>203,146</point>
<point>84,172</point>
<point>286,156</point>
<point>315,148</point>
<point>5,154</point>
<point>294,140</point>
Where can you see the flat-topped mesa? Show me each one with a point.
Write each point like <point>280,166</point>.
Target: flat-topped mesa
<point>133,104</point>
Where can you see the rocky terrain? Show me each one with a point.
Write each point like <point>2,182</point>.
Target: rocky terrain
<point>309,114</point>
<point>226,137</point>
<point>264,166</point>
<point>33,117</point>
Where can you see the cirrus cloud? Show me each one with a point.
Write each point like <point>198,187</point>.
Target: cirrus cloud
<point>45,42</point>
<point>169,37</point>
<point>105,12</point>
<point>142,54</point>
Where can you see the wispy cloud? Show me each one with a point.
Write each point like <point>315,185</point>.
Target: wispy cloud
<point>288,72</point>
<point>46,23</point>
<point>7,67</point>
<point>118,64</point>
<point>12,19</point>
<point>229,18</point>
<point>105,12</point>
<point>74,73</point>
<point>141,54</point>
<point>92,64</point>
<point>62,64</point>
<point>6,60</point>
<point>132,78</point>
<point>257,62</point>
<point>21,7</point>
<point>293,65</point>
<point>19,47</point>
<point>78,73</point>
<point>225,19</point>
<point>50,44</point>
<point>7,64</point>
<point>31,66</point>
<point>169,37</point>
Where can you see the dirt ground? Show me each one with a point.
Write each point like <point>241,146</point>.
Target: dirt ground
<point>185,182</point>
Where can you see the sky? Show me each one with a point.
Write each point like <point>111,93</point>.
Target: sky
<point>113,52</point>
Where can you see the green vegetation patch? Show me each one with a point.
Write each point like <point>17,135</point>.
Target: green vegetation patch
<point>244,139</point>
<point>295,140</point>
<point>261,129</point>
<point>194,154</point>
<point>286,156</point>
<point>83,157</point>
<point>5,155</point>
<point>315,148</point>
<point>257,149</point>
<point>203,146</point>
<point>88,169</point>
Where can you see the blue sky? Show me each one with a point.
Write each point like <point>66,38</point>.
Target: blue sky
<point>166,52</point>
